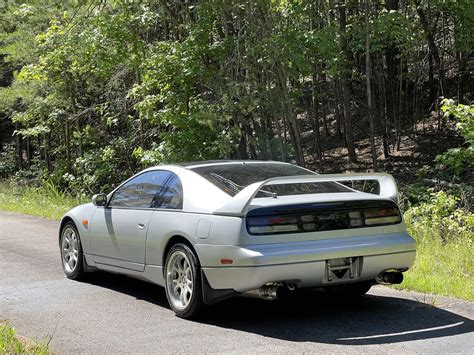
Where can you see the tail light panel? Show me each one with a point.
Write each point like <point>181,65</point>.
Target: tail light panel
<point>319,217</point>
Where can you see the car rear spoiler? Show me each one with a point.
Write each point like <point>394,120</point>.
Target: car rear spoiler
<point>240,203</point>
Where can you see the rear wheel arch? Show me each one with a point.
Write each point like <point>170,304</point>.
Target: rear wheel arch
<point>175,240</point>
<point>210,296</point>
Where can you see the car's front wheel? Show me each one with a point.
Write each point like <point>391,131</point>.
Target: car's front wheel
<point>183,281</point>
<point>71,252</point>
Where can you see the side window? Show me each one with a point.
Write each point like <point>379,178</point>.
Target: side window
<point>172,196</point>
<point>140,192</point>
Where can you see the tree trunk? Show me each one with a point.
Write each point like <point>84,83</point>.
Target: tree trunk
<point>346,91</point>
<point>290,117</point>
<point>391,92</point>
<point>19,151</point>
<point>47,155</point>
<point>315,123</point>
<point>28,152</point>
<point>338,110</point>
<point>382,107</point>
<point>462,77</point>
<point>369,92</point>
<point>68,146</point>
<point>434,54</point>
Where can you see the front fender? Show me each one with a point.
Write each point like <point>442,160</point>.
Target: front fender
<point>79,215</point>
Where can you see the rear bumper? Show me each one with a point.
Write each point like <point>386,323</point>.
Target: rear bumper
<point>302,263</point>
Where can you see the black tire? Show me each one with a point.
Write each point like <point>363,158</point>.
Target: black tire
<point>77,271</point>
<point>196,304</point>
<point>352,290</point>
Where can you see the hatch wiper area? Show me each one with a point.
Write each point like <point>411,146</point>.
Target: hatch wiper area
<point>228,183</point>
<point>236,188</point>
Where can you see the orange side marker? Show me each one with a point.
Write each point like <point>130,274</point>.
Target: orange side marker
<point>85,223</point>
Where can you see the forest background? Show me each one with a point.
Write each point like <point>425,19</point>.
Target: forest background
<point>93,91</point>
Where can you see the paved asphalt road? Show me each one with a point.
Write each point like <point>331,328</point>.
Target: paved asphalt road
<point>112,314</point>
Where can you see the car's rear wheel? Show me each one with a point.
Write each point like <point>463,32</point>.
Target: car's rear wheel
<point>183,281</point>
<point>71,252</point>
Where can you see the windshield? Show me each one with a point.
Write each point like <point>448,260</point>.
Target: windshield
<point>232,178</point>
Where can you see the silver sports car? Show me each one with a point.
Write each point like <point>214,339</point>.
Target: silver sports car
<point>210,230</point>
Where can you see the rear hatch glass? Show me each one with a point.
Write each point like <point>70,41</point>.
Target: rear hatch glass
<point>232,178</point>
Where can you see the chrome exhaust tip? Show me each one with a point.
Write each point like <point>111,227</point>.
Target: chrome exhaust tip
<point>267,292</point>
<point>272,291</point>
<point>390,278</point>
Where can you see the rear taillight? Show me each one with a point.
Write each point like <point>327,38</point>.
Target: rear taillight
<point>320,219</point>
<point>381,216</point>
<point>272,224</point>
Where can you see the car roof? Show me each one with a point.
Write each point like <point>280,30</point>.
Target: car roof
<point>189,166</point>
<point>195,164</point>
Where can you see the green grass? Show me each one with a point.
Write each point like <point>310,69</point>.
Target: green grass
<point>10,343</point>
<point>442,269</point>
<point>444,232</point>
<point>46,201</point>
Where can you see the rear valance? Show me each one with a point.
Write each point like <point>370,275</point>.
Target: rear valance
<point>239,204</point>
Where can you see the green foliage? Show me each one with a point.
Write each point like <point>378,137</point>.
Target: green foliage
<point>459,160</point>
<point>97,166</point>
<point>10,343</point>
<point>464,114</point>
<point>444,233</point>
<point>388,29</point>
<point>7,160</point>
<point>45,201</point>
<point>98,87</point>
<point>444,220</point>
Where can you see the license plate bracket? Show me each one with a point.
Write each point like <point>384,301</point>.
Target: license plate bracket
<point>343,269</point>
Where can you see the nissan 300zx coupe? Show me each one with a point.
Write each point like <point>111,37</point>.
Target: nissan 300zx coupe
<point>207,231</point>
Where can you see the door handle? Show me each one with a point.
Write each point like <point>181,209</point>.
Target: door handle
<point>141,225</point>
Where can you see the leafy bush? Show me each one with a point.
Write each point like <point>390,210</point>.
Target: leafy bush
<point>444,233</point>
<point>459,160</point>
<point>441,220</point>
<point>7,160</point>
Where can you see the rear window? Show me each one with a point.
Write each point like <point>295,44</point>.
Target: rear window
<point>232,178</point>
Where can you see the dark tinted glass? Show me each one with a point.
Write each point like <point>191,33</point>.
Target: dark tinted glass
<point>171,196</point>
<point>140,192</point>
<point>232,178</point>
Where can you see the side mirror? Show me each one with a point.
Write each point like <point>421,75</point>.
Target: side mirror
<point>99,200</point>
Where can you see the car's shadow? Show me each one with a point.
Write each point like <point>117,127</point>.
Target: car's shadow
<point>314,317</point>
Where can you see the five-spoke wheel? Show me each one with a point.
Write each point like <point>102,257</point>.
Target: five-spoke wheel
<point>71,251</point>
<point>183,281</point>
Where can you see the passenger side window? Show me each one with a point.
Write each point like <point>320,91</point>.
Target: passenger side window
<point>140,192</point>
<point>172,196</point>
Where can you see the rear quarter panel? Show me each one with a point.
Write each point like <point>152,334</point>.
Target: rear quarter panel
<point>197,228</point>
<point>164,225</point>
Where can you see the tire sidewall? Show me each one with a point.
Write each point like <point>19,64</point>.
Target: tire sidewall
<point>78,271</point>
<point>196,302</point>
